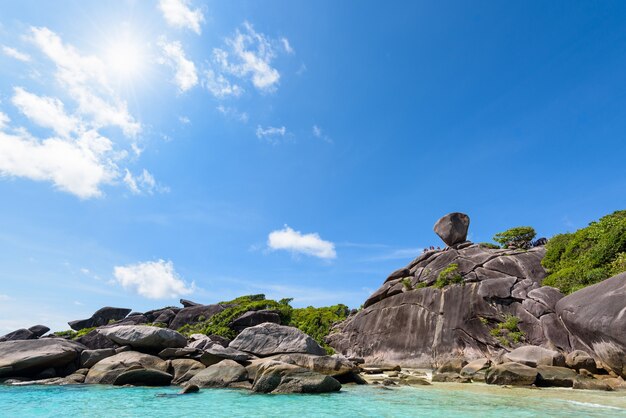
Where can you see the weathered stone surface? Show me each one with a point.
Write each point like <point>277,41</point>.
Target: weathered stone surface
<point>88,358</point>
<point>190,389</point>
<point>165,317</point>
<point>39,330</point>
<point>277,377</point>
<point>591,384</point>
<point>511,374</point>
<point>268,339</point>
<point>96,341</point>
<point>194,314</point>
<point>252,318</point>
<point>188,304</point>
<point>28,357</point>
<point>18,335</point>
<point>475,367</point>
<point>107,370</point>
<point>547,296</point>
<point>169,353</point>
<point>452,228</point>
<point>579,359</point>
<point>143,377</point>
<point>220,375</point>
<point>229,353</point>
<point>534,356</point>
<point>184,369</point>
<point>144,337</point>
<point>453,365</point>
<point>450,377</point>
<point>555,376</point>
<point>328,365</point>
<point>595,315</point>
<point>411,380</point>
<point>101,317</point>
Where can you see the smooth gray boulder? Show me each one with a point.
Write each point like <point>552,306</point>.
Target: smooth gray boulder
<point>476,369</point>
<point>39,330</point>
<point>28,357</point>
<point>452,228</point>
<point>101,317</point>
<point>277,377</point>
<point>328,365</point>
<point>514,374</point>
<point>220,375</point>
<point>534,356</point>
<point>194,314</point>
<point>595,316</point>
<point>267,339</point>
<point>90,357</point>
<point>107,370</point>
<point>184,369</point>
<point>143,377</point>
<point>144,337</point>
<point>96,341</point>
<point>555,376</point>
<point>18,335</point>
<point>579,359</point>
<point>252,318</point>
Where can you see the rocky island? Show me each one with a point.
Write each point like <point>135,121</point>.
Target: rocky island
<point>468,312</point>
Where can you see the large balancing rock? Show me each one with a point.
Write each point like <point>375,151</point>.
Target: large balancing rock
<point>595,316</point>
<point>452,228</point>
<point>144,337</point>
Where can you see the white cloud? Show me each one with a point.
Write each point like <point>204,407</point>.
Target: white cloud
<point>186,75</point>
<point>219,85</point>
<point>250,54</point>
<point>47,112</point>
<point>4,297</point>
<point>14,53</point>
<point>177,13</point>
<point>143,183</point>
<point>296,242</point>
<point>4,120</point>
<point>184,120</point>
<point>233,113</point>
<point>153,279</point>
<point>77,166</point>
<point>270,133</point>
<point>319,133</point>
<point>287,45</point>
<point>85,79</point>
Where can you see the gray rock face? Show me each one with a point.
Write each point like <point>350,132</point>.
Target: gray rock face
<point>107,370</point>
<point>28,357</point>
<point>328,365</point>
<point>511,374</point>
<point>194,314</point>
<point>555,376</point>
<point>220,375</point>
<point>39,330</point>
<point>144,337</point>
<point>252,318</point>
<point>578,359</point>
<point>88,358</point>
<point>277,377</point>
<point>425,326</point>
<point>269,338</point>
<point>595,316</point>
<point>452,228</point>
<point>143,377</point>
<point>101,317</point>
<point>17,335</point>
<point>533,356</point>
<point>184,369</point>
<point>96,341</point>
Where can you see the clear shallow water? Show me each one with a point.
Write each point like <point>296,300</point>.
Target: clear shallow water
<point>440,400</point>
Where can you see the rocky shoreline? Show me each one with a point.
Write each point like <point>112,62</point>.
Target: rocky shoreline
<point>467,313</point>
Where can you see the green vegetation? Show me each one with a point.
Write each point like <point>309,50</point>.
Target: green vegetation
<point>421,285</point>
<point>587,256</point>
<point>406,282</point>
<point>507,332</point>
<point>447,276</point>
<point>74,335</point>
<point>315,322</point>
<point>518,237</point>
<point>489,245</point>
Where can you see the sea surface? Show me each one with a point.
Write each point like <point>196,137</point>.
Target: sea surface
<point>438,400</point>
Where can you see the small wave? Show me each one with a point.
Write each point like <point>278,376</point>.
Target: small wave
<point>596,405</point>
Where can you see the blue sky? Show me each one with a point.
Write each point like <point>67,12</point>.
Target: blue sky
<point>157,150</point>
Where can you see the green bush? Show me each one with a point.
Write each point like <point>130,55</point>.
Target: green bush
<point>587,256</point>
<point>74,335</point>
<point>406,282</point>
<point>447,276</point>
<point>489,245</point>
<point>518,237</point>
<point>317,322</point>
<point>507,332</point>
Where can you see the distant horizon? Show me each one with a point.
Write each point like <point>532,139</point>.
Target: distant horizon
<point>153,151</point>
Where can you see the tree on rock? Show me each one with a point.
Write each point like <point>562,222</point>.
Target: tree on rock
<point>518,237</point>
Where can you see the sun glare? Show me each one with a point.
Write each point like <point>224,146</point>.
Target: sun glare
<point>125,58</point>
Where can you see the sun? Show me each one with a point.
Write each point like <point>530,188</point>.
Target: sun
<point>125,58</point>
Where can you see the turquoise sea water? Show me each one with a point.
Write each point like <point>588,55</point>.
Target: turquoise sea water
<point>441,400</point>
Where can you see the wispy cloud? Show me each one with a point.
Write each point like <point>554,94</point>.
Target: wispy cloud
<point>184,120</point>
<point>319,133</point>
<point>287,46</point>
<point>179,14</point>
<point>249,54</point>
<point>186,75</point>
<point>233,113</point>
<point>47,112</point>
<point>153,279</point>
<point>143,183</point>
<point>219,86</point>
<point>270,133</point>
<point>14,53</point>
<point>296,242</point>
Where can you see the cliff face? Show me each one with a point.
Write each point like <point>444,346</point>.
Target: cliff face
<point>465,301</point>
